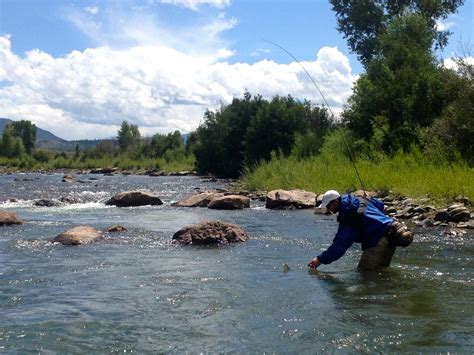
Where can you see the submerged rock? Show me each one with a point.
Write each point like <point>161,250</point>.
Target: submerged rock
<point>46,203</point>
<point>134,198</point>
<point>117,228</point>
<point>78,236</point>
<point>8,218</point>
<point>230,202</point>
<point>211,233</point>
<point>281,199</point>
<point>70,199</point>
<point>69,178</point>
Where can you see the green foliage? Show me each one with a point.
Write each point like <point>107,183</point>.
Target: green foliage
<point>128,136</point>
<point>220,142</point>
<point>410,174</point>
<point>250,129</point>
<point>161,143</point>
<point>403,91</point>
<point>452,133</point>
<point>273,129</point>
<point>26,131</point>
<point>11,146</point>
<point>364,22</point>
<point>42,156</point>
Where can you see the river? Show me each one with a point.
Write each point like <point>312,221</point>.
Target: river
<point>138,292</point>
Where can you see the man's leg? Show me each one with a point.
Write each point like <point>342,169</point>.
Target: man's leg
<point>377,257</point>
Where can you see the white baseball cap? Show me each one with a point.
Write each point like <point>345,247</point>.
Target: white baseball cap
<point>329,196</point>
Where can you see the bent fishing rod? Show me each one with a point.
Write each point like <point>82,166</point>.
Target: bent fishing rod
<point>327,105</point>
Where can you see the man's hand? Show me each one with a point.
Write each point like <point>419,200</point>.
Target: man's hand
<point>313,264</point>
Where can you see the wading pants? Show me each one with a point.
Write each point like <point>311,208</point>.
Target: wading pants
<point>377,257</point>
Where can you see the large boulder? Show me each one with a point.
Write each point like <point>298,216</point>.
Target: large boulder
<point>134,198</point>
<point>8,218</point>
<point>211,233</point>
<point>200,200</point>
<point>78,235</point>
<point>230,202</point>
<point>281,199</point>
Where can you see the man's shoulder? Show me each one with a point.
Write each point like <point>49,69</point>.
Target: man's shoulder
<point>350,201</point>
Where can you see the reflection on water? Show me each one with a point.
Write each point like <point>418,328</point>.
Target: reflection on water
<point>136,291</point>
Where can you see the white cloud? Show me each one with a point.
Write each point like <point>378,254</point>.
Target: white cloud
<point>444,25</point>
<point>88,94</point>
<point>93,10</point>
<point>195,4</point>
<point>451,63</point>
<point>120,27</point>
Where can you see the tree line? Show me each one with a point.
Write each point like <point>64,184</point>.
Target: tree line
<point>405,99</point>
<point>249,129</point>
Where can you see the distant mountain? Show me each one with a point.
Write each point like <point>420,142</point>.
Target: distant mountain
<point>41,134</point>
<point>47,140</point>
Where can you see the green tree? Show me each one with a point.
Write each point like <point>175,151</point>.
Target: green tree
<point>191,143</point>
<point>128,136</point>
<point>403,90</point>
<point>274,128</point>
<point>10,145</point>
<point>26,131</point>
<point>363,21</point>
<point>220,139</point>
<point>161,143</point>
<point>453,131</point>
<point>77,152</point>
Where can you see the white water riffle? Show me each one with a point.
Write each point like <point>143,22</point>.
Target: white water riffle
<point>137,291</point>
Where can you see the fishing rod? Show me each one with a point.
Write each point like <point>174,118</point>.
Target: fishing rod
<point>329,107</point>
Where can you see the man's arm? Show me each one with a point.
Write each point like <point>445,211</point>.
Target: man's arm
<point>345,237</point>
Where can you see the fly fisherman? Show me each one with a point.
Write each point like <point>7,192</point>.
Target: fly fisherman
<point>362,220</point>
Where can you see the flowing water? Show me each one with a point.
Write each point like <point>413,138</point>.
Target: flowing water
<point>138,292</point>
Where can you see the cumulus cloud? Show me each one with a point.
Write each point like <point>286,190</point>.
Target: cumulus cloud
<point>444,25</point>
<point>87,94</point>
<point>93,10</point>
<point>451,63</point>
<point>195,4</point>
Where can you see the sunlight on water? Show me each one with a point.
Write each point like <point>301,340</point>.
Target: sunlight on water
<point>137,291</point>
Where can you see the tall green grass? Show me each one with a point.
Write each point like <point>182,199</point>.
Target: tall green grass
<point>404,174</point>
<point>184,163</point>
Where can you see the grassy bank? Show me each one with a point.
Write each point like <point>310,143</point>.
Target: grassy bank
<point>121,162</point>
<point>409,175</point>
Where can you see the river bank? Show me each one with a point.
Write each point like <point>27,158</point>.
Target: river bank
<point>455,215</point>
<point>137,291</point>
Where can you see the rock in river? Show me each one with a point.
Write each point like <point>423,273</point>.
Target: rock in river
<point>280,199</point>
<point>116,228</point>
<point>214,232</point>
<point>200,200</point>
<point>78,235</point>
<point>454,213</point>
<point>134,198</point>
<point>7,218</point>
<point>230,202</point>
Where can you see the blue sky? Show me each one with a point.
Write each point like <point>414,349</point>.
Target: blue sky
<point>78,68</point>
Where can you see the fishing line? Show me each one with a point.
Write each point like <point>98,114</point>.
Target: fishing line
<point>327,105</point>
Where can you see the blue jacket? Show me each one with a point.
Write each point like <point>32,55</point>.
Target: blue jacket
<point>361,221</point>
